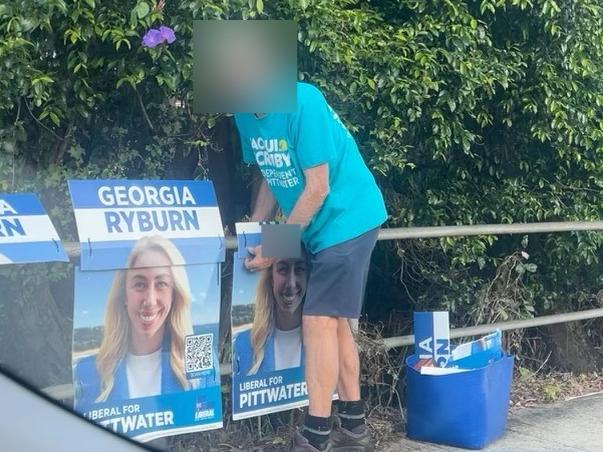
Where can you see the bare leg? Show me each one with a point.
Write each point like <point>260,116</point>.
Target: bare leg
<point>348,384</point>
<point>322,362</point>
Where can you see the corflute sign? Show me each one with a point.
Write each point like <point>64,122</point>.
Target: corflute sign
<point>147,306</point>
<point>267,350</point>
<point>26,233</point>
<point>112,214</point>
<point>432,337</point>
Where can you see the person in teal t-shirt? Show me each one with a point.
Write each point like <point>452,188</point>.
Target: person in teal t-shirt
<point>312,169</point>
<point>285,145</point>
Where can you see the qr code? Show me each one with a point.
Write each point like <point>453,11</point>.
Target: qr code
<point>198,352</point>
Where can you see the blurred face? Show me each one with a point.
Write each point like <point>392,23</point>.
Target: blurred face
<point>242,67</point>
<point>289,284</point>
<point>149,294</point>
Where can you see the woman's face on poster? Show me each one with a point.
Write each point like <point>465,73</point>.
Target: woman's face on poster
<point>149,293</point>
<point>289,281</point>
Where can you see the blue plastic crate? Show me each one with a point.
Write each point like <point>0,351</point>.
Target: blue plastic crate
<point>467,409</point>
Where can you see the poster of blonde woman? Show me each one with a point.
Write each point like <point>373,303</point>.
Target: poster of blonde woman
<point>268,374</point>
<point>131,328</point>
<point>145,351</point>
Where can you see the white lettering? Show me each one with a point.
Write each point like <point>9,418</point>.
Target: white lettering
<point>425,347</point>
<point>141,195</point>
<point>105,196</point>
<point>103,412</point>
<point>166,195</point>
<point>127,424</point>
<point>121,196</point>
<point>151,194</point>
<point>268,145</point>
<point>6,208</point>
<point>271,395</point>
<point>276,159</point>
<point>136,196</point>
<point>187,197</point>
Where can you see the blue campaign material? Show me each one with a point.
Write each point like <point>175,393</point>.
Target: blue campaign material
<point>244,359</point>
<point>24,204</point>
<point>478,353</point>
<point>479,359</point>
<point>111,215</point>
<point>26,232</point>
<point>268,390</point>
<point>33,252</point>
<point>246,240</point>
<point>432,336</point>
<point>174,410</point>
<point>114,255</point>
<point>190,411</point>
<point>467,409</point>
<point>84,193</point>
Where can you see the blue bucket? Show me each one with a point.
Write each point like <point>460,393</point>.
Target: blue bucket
<point>467,409</point>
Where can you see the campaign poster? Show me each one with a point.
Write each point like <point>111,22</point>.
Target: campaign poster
<point>146,326</point>
<point>432,337</point>
<point>112,214</point>
<point>26,233</point>
<point>268,356</point>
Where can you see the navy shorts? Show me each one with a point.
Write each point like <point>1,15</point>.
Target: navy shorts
<point>338,277</point>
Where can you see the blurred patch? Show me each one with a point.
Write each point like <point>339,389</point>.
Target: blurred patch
<point>244,66</point>
<point>281,241</point>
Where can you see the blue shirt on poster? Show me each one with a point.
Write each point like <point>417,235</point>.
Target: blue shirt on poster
<point>243,355</point>
<point>88,384</point>
<point>283,145</point>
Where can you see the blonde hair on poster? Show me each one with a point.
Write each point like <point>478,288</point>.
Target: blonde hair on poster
<point>116,335</point>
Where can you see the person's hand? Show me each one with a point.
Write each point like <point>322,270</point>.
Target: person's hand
<point>256,262</point>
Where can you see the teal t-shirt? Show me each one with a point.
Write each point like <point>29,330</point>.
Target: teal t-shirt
<point>283,145</point>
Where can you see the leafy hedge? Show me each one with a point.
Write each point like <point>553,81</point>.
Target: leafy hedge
<point>469,112</point>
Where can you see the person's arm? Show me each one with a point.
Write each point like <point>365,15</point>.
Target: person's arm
<point>264,209</point>
<point>315,145</point>
<point>309,203</point>
<point>313,196</point>
<point>265,206</point>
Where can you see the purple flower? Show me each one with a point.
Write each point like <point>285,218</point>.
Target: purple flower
<point>154,37</point>
<point>167,33</point>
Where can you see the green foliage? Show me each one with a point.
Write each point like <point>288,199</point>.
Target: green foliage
<point>474,112</point>
<point>551,392</point>
<point>82,98</point>
<point>469,112</point>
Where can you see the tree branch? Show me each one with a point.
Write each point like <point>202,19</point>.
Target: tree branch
<point>144,110</point>
<point>40,122</point>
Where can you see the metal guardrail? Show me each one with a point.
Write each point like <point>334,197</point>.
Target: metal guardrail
<point>424,232</point>
<point>487,229</point>
<point>65,391</point>
<point>478,330</point>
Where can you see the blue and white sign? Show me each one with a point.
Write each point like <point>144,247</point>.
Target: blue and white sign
<point>432,337</point>
<point>147,306</point>
<point>26,233</point>
<point>145,344</point>
<point>268,372</point>
<point>112,214</point>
